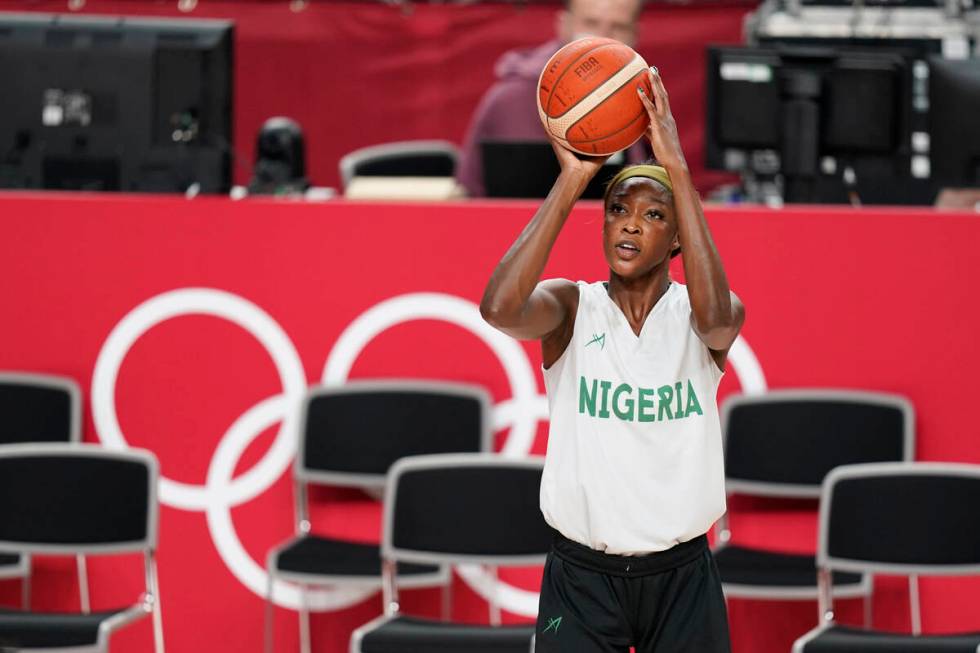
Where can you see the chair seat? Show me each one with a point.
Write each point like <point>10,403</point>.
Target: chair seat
<point>42,629</point>
<point>405,634</point>
<point>772,570</point>
<point>843,639</point>
<point>320,556</point>
<point>10,565</point>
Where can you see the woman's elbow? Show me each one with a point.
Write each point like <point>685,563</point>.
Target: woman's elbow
<point>721,327</point>
<point>489,312</point>
<point>494,312</point>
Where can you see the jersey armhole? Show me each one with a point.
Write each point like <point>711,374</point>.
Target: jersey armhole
<point>561,357</point>
<point>716,372</point>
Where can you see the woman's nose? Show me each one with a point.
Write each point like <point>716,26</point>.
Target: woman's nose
<point>631,225</point>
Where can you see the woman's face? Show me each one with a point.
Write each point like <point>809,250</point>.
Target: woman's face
<point>640,228</point>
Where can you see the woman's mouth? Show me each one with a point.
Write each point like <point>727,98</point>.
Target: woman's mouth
<point>627,250</point>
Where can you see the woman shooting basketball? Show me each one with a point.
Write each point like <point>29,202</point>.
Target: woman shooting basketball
<point>634,476</point>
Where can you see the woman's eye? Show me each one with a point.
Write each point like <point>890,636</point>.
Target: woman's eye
<point>616,208</point>
<point>655,215</point>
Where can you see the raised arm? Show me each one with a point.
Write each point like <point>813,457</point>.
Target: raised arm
<point>716,313</point>
<point>515,301</point>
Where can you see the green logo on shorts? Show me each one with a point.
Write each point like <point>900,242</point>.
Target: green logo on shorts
<point>553,623</point>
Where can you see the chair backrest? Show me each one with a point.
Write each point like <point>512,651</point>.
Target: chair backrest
<point>39,408</point>
<point>783,443</point>
<point>352,434</point>
<point>901,518</point>
<point>465,508</point>
<point>401,159</point>
<point>77,498</point>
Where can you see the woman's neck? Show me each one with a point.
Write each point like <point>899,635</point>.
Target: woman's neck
<point>637,297</point>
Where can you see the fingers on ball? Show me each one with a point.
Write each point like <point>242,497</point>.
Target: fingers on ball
<point>645,100</point>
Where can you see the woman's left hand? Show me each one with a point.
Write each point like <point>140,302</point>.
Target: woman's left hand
<point>662,130</point>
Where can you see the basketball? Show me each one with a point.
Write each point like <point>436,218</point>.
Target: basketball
<point>587,96</point>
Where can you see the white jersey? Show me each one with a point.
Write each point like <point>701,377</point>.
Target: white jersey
<point>634,462</point>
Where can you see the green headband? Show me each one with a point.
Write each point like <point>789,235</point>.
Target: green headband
<point>657,173</point>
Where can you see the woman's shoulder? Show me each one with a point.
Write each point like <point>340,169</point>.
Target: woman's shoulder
<point>568,287</point>
<point>678,300</point>
<point>560,285</point>
<point>565,291</point>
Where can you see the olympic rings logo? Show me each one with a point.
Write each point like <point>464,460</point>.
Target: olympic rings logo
<point>222,491</point>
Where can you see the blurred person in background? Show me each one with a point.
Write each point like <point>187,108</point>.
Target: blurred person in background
<point>509,110</point>
<point>959,198</point>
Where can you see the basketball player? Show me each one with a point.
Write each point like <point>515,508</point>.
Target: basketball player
<point>634,476</point>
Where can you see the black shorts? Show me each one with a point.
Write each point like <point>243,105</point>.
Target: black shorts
<point>665,602</point>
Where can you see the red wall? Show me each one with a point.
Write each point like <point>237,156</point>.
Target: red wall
<point>875,299</point>
<point>361,73</point>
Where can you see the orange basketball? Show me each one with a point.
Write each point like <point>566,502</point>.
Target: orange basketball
<point>587,96</point>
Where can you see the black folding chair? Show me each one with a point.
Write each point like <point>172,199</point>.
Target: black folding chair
<point>782,444</point>
<point>38,408</point>
<point>899,519</point>
<point>400,159</point>
<point>350,436</point>
<point>456,509</point>
<point>70,499</point>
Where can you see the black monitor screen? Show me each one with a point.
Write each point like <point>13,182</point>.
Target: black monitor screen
<point>859,98</point>
<point>529,169</point>
<point>747,99</point>
<point>863,105</point>
<point>806,113</point>
<point>115,103</point>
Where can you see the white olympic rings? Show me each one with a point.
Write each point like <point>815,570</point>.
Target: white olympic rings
<point>221,491</point>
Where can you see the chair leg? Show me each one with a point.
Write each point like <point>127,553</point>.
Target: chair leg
<point>304,622</point>
<point>494,602</point>
<point>83,584</point>
<point>269,616</point>
<point>157,617</point>
<point>447,598</point>
<point>25,592</point>
<point>914,605</point>
<point>153,587</point>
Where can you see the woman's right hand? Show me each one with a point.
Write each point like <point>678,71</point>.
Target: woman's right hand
<point>576,164</point>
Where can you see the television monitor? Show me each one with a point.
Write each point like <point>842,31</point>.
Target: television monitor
<point>954,121</point>
<point>807,113</point>
<point>529,169</point>
<point>115,104</point>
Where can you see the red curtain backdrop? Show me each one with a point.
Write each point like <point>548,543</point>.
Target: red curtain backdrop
<point>361,73</point>
<point>878,300</point>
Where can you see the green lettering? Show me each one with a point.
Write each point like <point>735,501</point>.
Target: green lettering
<point>604,410</point>
<point>678,411</point>
<point>644,402</point>
<point>586,400</point>
<point>666,394</point>
<point>623,414</point>
<point>693,406</point>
